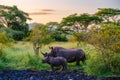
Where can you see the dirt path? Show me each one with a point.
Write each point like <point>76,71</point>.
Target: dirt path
<point>46,75</point>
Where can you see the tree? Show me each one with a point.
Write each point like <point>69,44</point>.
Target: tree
<point>80,22</point>
<point>75,24</point>
<point>15,19</point>
<point>39,35</point>
<point>107,40</point>
<point>109,14</point>
<point>56,33</point>
<point>52,25</point>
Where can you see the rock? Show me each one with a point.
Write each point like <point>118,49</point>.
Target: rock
<point>1,79</point>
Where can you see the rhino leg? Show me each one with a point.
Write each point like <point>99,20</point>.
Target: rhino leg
<point>64,67</point>
<point>77,61</point>
<point>52,68</point>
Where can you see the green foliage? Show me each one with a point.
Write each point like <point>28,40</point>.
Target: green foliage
<point>107,41</point>
<point>81,36</point>
<point>52,25</point>
<point>40,34</point>
<point>2,59</point>
<point>77,25</point>
<point>15,19</point>
<point>95,65</point>
<point>4,40</point>
<point>87,19</point>
<point>109,14</point>
<point>80,22</point>
<point>106,38</point>
<point>36,63</point>
<point>102,54</point>
<point>33,61</point>
<point>13,34</point>
<point>115,63</point>
<point>70,20</point>
<point>59,36</point>
<point>2,65</point>
<point>21,56</point>
<point>55,32</point>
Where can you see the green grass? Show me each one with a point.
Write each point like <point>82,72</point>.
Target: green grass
<point>20,56</point>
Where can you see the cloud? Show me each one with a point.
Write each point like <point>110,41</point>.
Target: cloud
<point>39,13</point>
<point>42,12</point>
<point>48,10</point>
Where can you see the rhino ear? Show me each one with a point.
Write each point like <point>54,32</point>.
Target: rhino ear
<point>50,47</point>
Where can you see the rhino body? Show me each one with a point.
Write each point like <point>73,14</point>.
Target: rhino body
<point>55,62</point>
<point>71,55</point>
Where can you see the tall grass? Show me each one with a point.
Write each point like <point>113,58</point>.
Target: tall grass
<point>21,56</point>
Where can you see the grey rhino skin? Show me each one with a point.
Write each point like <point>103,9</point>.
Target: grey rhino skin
<point>71,55</point>
<point>55,62</point>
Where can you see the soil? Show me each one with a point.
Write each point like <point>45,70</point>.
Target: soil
<point>47,75</point>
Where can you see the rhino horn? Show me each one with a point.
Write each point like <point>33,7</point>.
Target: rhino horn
<point>42,53</point>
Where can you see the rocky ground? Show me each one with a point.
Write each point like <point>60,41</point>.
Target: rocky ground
<point>47,75</point>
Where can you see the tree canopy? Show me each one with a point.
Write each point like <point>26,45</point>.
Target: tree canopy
<point>109,14</point>
<point>15,19</point>
<point>39,36</point>
<point>80,22</point>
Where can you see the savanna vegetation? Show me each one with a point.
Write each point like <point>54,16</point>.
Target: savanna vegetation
<point>97,34</point>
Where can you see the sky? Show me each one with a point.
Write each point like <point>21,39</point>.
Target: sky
<point>44,11</point>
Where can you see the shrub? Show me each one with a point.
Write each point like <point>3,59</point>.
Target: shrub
<point>107,41</point>
<point>4,41</point>
<point>2,65</point>
<point>95,65</point>
<point>115,63</point>
<point>35,63</point>
<point>59,36</point>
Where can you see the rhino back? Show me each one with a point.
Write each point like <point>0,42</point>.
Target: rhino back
<point>56,61</point>
<point>71,53</point>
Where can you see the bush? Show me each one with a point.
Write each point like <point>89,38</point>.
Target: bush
<point>34,62</point>
<point>95,65</point>
<point>2,65</point>
<point>4,41</point>
<point>58,36</point>
<point>16,35</point>
<point>115,63</point>
<point>107,41</point>
<point>2,60</point>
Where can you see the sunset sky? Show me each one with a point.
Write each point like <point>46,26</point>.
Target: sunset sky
<point>43,11</point>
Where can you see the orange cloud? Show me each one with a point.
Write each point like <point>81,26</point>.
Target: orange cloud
<point>50,10</point>
<point>39,13</point>
<point>42,12</point>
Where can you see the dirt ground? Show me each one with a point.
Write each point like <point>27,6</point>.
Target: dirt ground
<point>47,75</point>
